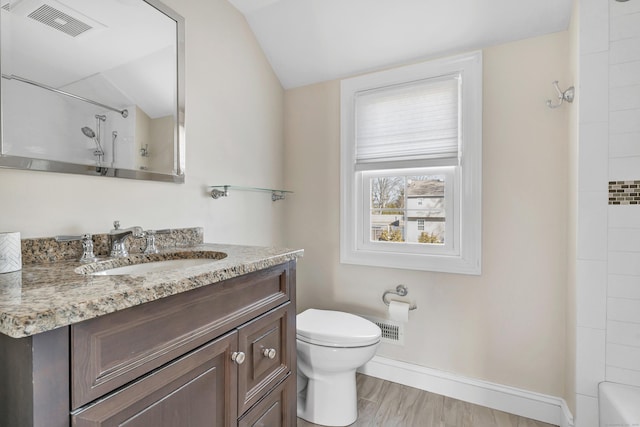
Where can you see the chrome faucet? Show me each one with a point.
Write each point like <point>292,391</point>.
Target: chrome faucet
<point>87,246</point>
<point>150,235</point>
<point>118,237</point>
<point>150,248</point>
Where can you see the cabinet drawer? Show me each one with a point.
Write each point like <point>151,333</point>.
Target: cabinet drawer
<point>278,409</point>
<point>269,345</point>
<point>195,390</point>
<point>113,350</point>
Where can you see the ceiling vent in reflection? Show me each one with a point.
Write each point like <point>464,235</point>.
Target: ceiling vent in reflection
<point>54,14</point>
<point>59,20</point>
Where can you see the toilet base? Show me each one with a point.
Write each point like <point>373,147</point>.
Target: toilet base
<point>330,400</point>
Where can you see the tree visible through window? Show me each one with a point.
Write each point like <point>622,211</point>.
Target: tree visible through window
<point>408,209</point>
<point>411,156</point>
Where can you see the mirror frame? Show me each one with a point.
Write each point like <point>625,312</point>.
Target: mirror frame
<point>28,163</point>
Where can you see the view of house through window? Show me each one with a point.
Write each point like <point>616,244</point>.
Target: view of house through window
<point>411,157</point>
<point>407,209</point>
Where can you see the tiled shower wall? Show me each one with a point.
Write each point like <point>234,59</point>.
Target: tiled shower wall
<point>623,282</point>
<point>608,264</point>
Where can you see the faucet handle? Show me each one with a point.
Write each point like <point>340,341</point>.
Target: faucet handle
<point>150,236</point>
<point>116,225</point>
<point>87,246</point>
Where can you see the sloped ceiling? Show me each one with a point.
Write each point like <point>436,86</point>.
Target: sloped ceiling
<point>309,41</point>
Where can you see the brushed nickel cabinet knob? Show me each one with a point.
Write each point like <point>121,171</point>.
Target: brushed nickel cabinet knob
<point>269,352</point>
<point>238,357</point>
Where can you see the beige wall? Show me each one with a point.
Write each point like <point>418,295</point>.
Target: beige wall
<point>570,355</point>
<point>507,325</point>
<point>142,137</point>
<point>160,135</point>
<point>234,131</point>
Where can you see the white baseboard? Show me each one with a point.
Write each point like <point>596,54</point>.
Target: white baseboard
<point>528,404</point>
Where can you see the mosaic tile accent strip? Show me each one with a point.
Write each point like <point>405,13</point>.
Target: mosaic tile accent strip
<point>624,192</point>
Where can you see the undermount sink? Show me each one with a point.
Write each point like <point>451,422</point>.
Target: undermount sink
<point>153,267</point>
<point>152,263</point>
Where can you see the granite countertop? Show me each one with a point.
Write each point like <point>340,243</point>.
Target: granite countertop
<point>48,295</point>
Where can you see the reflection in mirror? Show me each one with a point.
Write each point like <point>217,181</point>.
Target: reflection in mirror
<point>93,87</point>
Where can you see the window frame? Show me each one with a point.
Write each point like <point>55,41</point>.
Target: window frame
<point>466,258</point>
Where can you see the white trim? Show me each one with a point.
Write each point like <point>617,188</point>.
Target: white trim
<point>468,189</point>
<point>524,403</point>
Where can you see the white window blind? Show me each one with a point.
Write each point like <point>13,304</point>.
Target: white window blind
<point>409,125</point>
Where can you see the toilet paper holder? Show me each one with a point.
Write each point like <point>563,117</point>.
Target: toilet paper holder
<point>401,291</point>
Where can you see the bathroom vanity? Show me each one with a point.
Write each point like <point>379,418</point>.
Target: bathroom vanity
<point>211,344</point>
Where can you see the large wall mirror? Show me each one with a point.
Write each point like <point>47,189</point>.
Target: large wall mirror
<point>94,87</point>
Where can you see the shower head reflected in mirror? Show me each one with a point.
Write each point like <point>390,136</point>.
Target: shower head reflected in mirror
<point>88,132</point>
<point>98,152</point>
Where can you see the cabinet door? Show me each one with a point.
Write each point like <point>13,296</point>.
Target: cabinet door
<point>269,345</point>
<point>197,390</point>
<point>278,409</point>
<point>110,351</point>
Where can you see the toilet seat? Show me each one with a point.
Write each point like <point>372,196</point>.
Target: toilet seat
<point>335,329</point>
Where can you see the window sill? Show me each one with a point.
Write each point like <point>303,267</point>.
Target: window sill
<point>422,262</point>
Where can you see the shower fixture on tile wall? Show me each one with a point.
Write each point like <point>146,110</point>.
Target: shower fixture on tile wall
<point>566,95</point>
<point>89,133</point>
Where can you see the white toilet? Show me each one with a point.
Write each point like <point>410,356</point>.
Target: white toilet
<point>331,345</point>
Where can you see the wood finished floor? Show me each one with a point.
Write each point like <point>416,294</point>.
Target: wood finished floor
<point>387,404</point>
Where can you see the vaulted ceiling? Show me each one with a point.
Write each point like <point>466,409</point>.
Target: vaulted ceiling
<point>308,41</point>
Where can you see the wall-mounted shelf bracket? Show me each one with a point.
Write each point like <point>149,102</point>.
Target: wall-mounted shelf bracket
<point>218,191</point>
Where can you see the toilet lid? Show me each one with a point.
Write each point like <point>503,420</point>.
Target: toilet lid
<point>335,329</point>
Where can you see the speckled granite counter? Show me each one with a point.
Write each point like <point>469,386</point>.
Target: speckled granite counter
<point>45,296</point>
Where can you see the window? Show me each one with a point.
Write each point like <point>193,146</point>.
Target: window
<point>395,215</point>
<point>411,166</point>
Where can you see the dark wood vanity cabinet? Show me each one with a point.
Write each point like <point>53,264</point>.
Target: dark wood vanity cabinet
<point>219,355</point>
<point>195,390</point>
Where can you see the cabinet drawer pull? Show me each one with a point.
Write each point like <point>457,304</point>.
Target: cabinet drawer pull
<point>238,357</point>
<point>269,352</point>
